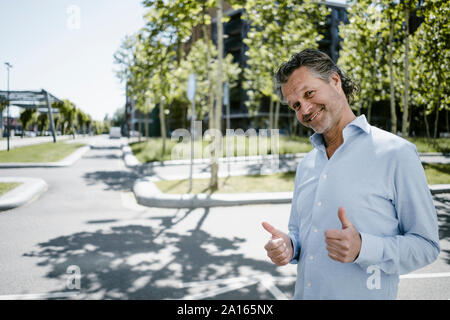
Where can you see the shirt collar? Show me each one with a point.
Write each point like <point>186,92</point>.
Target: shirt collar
<point>359,122</point>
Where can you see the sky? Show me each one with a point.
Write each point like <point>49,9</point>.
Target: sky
<point>66,47</point>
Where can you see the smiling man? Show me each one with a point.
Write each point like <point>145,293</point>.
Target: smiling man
<point>362,213</point>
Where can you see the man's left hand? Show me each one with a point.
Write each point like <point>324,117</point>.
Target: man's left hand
<point>343,244</point>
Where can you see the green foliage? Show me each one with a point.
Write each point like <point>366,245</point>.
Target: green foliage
<point>42,120</point>
<point>278,29</point>
<point>25,118</point>
<point>431,57</point>
<point>195,62</point>
<point>362,50</point>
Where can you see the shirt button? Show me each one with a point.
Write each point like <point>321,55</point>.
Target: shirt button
<point>311,257</point>
<point>315,230</point>
<point>319,203</point>
<point>309,284</point>
<point>324,176</point>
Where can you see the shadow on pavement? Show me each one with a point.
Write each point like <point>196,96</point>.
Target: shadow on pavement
<point>141,262</point>
<point>114,180</point>
<point>442,204</point>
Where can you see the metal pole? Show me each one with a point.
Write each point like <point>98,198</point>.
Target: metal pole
<point>50,115</point>
<point>192,143</point>
<point>8,123</point>
<point>226,102</point>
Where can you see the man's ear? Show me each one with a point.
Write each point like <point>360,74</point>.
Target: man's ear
<point>335,81</point>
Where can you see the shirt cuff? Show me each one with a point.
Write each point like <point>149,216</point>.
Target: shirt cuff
<point>296,248</point>
<point>371,250</point>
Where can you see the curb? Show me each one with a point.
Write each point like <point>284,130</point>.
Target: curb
<point>439,188</point>
<point>132,162</point>
<point>30,189</point>
<point>66,162</point>
<point>148,194</point>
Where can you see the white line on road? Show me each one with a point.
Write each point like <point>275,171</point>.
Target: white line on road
<point>425,275</point>
<point>39,296</point>
<point>267,282</point>
<point>216,292</point>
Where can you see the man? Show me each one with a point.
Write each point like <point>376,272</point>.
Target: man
<point>362,212</point>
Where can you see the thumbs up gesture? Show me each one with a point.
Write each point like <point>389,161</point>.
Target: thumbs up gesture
<point>279,247</point>
<point>343,244</point>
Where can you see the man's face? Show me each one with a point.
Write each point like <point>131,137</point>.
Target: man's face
<point>318,104</point>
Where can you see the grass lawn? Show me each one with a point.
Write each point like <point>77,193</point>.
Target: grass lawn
<point>5,187</point>
<point>151,149</point>
<point>255,183</point>
<point>45,152</point>
<point>436,174</point>
<point>423,145</point>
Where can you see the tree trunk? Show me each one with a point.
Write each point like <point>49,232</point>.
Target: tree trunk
<point>139,127</point>
<point>427,126</point>
<point>436,124</point>
<point>391,84</point>
<point>446,120</point>
<point>277,114</point>
<point>146,126</point>
<point>162,121</point>
<point>271,114</point>
<point>218,114</point>
<point>405,124</point>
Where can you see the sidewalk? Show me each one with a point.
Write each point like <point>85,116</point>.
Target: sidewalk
<point>28,190</point>
<point>148,194</point>
<point>31,188</point>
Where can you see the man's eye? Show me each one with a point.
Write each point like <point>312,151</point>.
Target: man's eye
<point>309,94</point>
<point>295,106</point>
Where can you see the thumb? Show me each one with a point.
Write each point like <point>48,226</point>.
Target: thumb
<point>346,223</point>
<point>272,230</point>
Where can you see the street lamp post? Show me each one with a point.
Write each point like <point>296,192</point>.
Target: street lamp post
<point>8,66</point>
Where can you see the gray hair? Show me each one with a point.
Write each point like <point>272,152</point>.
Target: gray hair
<point>321,65</point>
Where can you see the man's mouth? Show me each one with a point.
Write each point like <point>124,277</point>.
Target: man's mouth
<point>315,115</point>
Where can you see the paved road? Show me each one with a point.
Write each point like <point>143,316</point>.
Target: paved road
<point>88,218</point>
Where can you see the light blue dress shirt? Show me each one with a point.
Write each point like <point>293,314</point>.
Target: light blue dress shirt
<point>378,178</point>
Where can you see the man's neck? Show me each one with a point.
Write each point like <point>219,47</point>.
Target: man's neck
<point>334,138</point>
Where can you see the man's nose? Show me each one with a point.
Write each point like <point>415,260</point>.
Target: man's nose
<point>306,109</point>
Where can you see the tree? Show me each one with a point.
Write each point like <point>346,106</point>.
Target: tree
<point>430,56</point>
<point>274,35</point>
<point>67,110</point>
<point>43,122</point>
<point>362,53</point>
<point>25,118</point>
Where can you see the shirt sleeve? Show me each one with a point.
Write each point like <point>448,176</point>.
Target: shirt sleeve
<point>294,221</point>
<point>417,243</point>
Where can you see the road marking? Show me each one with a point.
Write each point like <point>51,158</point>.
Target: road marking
<point>425,275</point>
<point>213,282</point>
<point>232,284</point>
<point>216,292</point>
<point>39,296</point>
<point>267,282</point>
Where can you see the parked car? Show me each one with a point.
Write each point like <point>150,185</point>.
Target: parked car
<point>115,133</point>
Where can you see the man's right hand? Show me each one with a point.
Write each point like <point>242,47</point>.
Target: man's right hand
<point>279,247</point>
